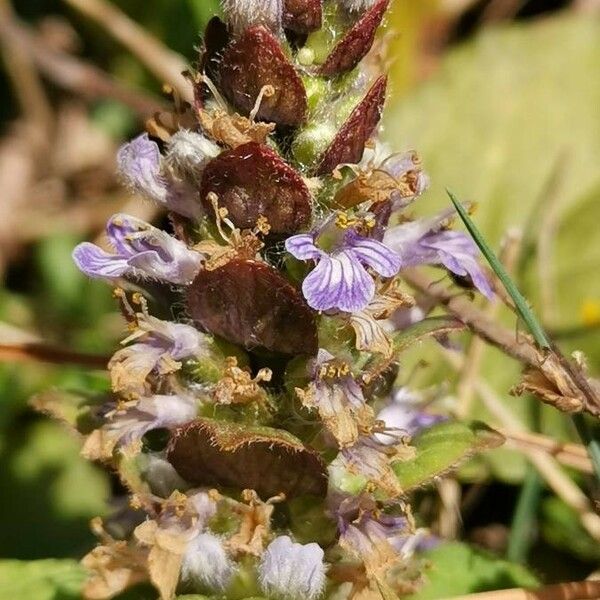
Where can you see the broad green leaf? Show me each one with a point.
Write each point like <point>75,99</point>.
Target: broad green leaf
<point>457,569</point>
<point>441,448</point>
<point>41,580</point>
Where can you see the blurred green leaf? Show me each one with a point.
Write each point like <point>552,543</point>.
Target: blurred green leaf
<point>48,493</point>
<point>496,120</point>
<point>561,527</point>
<point>441,448</point>
<point>457,569</point>
<point>41,580</point>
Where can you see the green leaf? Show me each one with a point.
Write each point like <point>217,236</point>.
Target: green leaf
<point>457,569</point>
<point>521,304</point>
<point>41,580</point>
<point>441,448</point>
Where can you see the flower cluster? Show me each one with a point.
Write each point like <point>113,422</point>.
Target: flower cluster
<point>243,388</point>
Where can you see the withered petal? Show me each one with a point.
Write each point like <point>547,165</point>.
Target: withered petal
<point>353,47</point>
<point>270,461</point>
<point>253,61</point>
<point>251,304</point>
<point>302,16</point>
<point>349,143</point>
<point>252,181</point>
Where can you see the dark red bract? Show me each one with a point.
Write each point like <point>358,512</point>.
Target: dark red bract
<point>349,143</point>
<point>253,61</point>
<point>252,181</point>
<point>302,16</point>
<point>356,43</point>
<point>270,461</point>
<point>249,303</point>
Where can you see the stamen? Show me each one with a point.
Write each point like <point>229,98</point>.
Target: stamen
<point>267,91</point>
<point>214,91</point>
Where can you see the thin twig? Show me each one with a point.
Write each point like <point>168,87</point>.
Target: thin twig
<point>547,466</point>
<point>570,455</point>
<point>51,354</point>
<point>579,590</point>
<point>73,74</point>
<point>164,63</point>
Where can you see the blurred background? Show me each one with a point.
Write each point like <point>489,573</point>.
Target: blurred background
<point>500,97</point>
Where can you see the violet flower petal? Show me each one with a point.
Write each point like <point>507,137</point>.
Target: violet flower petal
<point>340,282</point>
<point>207,564</point>
<point>374,254</point>
<point>303,247</point>
<point>95,262</point>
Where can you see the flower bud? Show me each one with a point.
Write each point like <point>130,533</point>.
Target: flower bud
<point>241,14</point>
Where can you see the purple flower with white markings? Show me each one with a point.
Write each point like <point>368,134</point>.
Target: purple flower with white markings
<point>291,571</point>
<point>338,398</point>
<point>141,168</point>
<point>403,413</point>
<point>366,531</point>
<point>141,251</point>
<point>159,347</point>
<point>125,427</point>
<point>426,242</point>
<point>340,280</point>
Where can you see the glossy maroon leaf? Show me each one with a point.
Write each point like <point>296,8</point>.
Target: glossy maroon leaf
<point>353,47</point>
<point>252,180</point>
<point>349,143</point>
<point>302,16</point>
<point>270,461</point>
<point>249,303</point>
<point>253,61</point>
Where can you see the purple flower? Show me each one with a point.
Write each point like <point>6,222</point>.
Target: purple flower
<point>425,242</point>
<point>290,571</point>
<point>241,14</point>
<point>340,279</point>
<point>153,412</point>
<point>405,167</point>
<point>403,413</point>
<point>141,251</point>
<point>372,459</point>
<point>125,426</point>
<point>140,165</point>
<point>367,532</point>
<point>206,563</point>
<point>159,346</point>
<point>338,398</point>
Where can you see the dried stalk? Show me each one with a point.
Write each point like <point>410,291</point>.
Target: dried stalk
<point>165,64</point>
<point>546,465</point>
<point>50,354</point>
<point>579,590</point>
<point>71,73</point>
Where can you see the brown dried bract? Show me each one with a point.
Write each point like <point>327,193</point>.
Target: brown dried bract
<point>302,16</point>
<point>354,46</point>
<point>233,130</point>
<point>270,461</point>
<point>253,181</point>
<point>254,61</point>
<point>249,303</point>
<point>349,144</point>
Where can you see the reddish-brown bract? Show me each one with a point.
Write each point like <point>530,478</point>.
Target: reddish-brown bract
<point>212,453</point>
<point>252,181</point>
<point>249,303</point>
<point>353,47</point>
<point>253,61</point>
<point>302,16</point>
<point>349,143</point>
